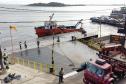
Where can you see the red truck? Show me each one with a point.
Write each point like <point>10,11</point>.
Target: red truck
<point>116,56</point>
<point>98,72</point>
<point>109,68</point>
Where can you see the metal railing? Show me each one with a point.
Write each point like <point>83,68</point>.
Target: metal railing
<point>42,67</point>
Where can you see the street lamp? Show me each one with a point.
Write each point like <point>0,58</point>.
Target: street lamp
<point>100,33</point>
<point>52,62</point>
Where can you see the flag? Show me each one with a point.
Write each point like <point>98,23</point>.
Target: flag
<point>13,27</point>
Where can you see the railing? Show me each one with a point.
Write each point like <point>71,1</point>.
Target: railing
<point>42,67</point>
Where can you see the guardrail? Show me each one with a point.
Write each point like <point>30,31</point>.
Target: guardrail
<point>42,67</point>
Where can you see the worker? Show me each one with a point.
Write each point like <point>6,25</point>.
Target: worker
<point>20,45</point>
<point>61,73</point>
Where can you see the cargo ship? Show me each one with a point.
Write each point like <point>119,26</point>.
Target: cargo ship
<point>50,27</point>
<point>116,18</point>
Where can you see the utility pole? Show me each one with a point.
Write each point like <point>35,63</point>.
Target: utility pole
<point>100,33</point>
<point>52,66</point>
<point>12,28</point>
<point>100,27</point>
<point>125,30</point>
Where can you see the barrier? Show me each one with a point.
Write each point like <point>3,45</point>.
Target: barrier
<point>42,67</point>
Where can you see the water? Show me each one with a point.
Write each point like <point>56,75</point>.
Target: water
<point>25,31</point>
<point>70,52</point>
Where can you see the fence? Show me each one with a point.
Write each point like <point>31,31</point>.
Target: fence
<point>42,67</point>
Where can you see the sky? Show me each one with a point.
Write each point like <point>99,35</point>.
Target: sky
<point>64,1</point>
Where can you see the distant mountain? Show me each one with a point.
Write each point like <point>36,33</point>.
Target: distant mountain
<point>53,4</point>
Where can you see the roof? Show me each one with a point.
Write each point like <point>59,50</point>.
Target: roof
<point>104,66</point>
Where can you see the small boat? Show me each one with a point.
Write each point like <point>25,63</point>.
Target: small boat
<point>51,27</point>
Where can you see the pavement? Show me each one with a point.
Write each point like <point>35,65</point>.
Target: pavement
<point>31,42</point>
<point>75,79</point>
<point>28,75</point>
<point>68,55</point>
<point>71,52</point>
<point>65,53</point>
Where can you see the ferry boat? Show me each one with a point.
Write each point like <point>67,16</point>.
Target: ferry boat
<point>119,14</point>
<point>51,27</point>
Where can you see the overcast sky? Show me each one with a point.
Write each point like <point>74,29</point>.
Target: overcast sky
<point>63,1</point>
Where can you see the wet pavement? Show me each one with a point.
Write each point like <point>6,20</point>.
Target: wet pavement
<point>65,54</point>
<point>44,41</point>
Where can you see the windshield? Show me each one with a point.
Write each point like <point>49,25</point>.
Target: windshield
<point>94,69</point>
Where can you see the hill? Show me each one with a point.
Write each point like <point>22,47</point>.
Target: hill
<point>53,4</point>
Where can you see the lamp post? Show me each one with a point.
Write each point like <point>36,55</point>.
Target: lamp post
<point>12,28</point>
<point>100,34</point>
<point>52,60</point>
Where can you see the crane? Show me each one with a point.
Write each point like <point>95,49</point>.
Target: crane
<point>79,22</point>
<point>51,17</point>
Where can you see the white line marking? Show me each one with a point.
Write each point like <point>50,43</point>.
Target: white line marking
<point>70,74</point>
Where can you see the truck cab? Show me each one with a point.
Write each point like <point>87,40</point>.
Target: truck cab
<point>98,72</point>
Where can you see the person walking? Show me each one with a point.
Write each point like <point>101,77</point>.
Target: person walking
<point>61,73</point>
<point>38,43</point>
<point>5,59</point>
<point>20,45</point>
<point>25,45</point>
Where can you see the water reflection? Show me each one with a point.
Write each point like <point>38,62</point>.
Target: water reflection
<point>26,52</point>
<point>39,52</point>
<point>21,54</point>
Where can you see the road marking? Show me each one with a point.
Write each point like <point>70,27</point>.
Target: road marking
<point>70,74</point>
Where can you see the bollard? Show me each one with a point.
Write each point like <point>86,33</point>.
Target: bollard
<point>52,69</point>
<point>72,38</point>
<point>58,39</point>
<point>35,65</point>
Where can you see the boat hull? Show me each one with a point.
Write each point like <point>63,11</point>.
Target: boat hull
<point>40,32</point>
